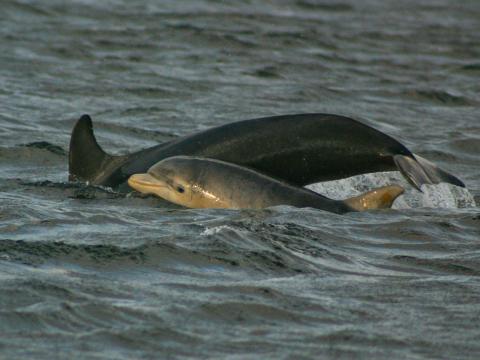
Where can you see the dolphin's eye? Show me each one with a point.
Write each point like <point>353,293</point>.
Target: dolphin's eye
<point>180,189</point>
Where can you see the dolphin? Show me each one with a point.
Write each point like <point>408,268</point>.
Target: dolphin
<point>208,183</point>
<point>299,149</point>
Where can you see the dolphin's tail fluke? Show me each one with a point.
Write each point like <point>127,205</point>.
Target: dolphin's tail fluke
<point>380,198</point>
<point>419,171</point>
<point>86,159</point>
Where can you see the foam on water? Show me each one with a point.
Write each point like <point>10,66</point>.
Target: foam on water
<point>215,230</point>
<point>432,196</point>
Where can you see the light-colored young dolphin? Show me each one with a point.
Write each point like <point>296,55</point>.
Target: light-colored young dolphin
<point>207,183</point>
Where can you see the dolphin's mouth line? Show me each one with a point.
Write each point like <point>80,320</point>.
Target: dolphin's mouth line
<point>146,183</point>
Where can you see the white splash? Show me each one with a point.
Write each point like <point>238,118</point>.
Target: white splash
<point>215,230</point>
<point>432,196</point>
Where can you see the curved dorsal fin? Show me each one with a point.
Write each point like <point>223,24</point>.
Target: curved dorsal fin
<point>86,159</point>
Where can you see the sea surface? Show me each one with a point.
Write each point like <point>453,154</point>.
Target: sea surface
<point>88,273</point>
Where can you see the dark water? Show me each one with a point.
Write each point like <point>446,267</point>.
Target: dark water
<point>86,273</point>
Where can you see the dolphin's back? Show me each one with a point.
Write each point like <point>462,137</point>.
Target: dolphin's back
<point>299,149</point>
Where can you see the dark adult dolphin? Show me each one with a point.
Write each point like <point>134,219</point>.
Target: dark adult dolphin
<point>208,183</point>
<point>300,149</point>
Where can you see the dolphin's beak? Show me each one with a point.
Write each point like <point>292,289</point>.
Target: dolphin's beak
<point>145,183</point>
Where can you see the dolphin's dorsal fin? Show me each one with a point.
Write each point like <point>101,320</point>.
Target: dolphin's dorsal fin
<point>380,198</point>
<point>86,159</point>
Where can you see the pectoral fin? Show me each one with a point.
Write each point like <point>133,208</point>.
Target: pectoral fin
<point>412,171</point>
<point>436,174</point>
<point>419,171</point>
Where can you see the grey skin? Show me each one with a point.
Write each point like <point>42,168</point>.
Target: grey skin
<point>300,149</point>
<point>207,183</point>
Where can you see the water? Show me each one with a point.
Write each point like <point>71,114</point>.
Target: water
<point>86,273</point>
